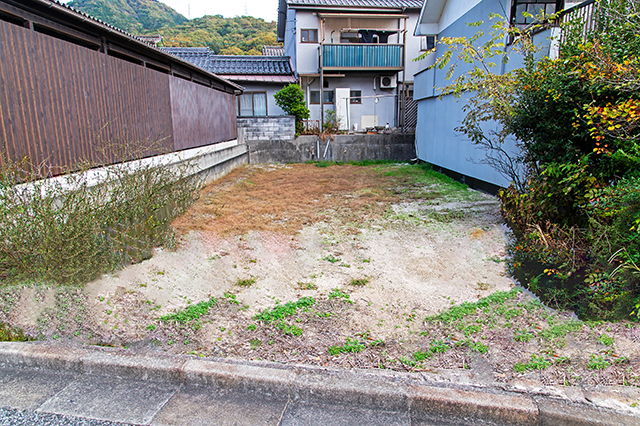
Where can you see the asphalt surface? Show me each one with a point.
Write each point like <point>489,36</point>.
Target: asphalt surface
<point>56,385</point>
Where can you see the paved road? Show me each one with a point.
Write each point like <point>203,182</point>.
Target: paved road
<point>41,397</point>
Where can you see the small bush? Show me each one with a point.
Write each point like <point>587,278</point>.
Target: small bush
<point>66,231</point>
<point>291,100</point>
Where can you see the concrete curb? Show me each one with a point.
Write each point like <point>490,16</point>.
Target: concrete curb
<point>381,389</point>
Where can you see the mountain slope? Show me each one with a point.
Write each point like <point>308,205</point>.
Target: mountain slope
<point>242,35</point>
<point>131,15</point>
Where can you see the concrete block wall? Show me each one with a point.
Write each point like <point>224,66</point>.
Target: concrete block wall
<point>358,147</point>
<point>267,128</point>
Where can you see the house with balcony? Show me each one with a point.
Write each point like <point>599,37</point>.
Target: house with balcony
<point>437,141</point>
<point>354,57</point>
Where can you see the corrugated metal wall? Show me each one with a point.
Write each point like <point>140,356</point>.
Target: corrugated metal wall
<point>197,115</point>
<point>63,103</point>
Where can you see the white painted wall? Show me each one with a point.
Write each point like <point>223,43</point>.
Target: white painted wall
<point>271,89</point>
<point>385,109</point>
<point>307,53</point>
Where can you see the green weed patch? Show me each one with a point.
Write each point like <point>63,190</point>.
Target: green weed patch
<point>191,312</point>
<point>279,312</point>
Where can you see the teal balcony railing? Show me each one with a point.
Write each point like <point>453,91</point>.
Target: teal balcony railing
<point>362,56</point>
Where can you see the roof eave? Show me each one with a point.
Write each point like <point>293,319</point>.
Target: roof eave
<point>84,18</point>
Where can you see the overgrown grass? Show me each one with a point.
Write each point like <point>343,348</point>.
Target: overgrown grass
<point>68,231</point>
<point>11,334</point>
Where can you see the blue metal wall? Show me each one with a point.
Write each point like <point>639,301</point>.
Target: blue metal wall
<point>437,141</point>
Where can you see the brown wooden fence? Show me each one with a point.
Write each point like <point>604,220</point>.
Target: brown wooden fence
<point>62,103</point>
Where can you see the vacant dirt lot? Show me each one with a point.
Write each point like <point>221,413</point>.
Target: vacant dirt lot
<point>335,266</point>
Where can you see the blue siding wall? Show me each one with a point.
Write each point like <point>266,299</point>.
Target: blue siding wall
<point>437,142</point>
<point>290,38</point>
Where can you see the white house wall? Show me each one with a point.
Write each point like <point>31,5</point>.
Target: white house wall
<point>271,89</point>
<point>413,48</point>
<point>385,109</point>
<point>307,53</point>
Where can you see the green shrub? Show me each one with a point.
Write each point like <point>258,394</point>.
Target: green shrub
<point>291,100</point>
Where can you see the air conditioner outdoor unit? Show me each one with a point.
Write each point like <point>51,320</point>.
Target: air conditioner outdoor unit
<point>388,82</point>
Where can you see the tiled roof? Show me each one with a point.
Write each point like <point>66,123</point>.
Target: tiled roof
<point>378,4</point>
<point>254,68</point>
<point>198,56</point>
<point>140,43</point>
<point>266,65</point>
<point>272,51</point>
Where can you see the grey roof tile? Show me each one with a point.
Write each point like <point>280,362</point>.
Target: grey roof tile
<point>233,65</point>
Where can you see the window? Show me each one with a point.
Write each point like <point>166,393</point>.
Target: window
<point>327,97</point>
<point>355,96</point>
<point>314,97</point>
<point>533,7</point>
<point>309,36</point>
<point>427,43</point>
<point>252,104</point>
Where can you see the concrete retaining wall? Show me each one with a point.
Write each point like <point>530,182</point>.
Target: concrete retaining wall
<point>267,128</point>
<point>208,163</point>
<point>393,146</point>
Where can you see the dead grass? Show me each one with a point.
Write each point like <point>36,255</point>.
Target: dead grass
<point>287,198</point>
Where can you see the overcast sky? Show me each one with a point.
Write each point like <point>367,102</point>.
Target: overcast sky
<point>265,9</point>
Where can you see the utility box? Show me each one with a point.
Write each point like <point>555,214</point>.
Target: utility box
<point>368,121</point>
<point>342,108</point>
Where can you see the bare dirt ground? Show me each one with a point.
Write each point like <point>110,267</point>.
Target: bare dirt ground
<point>347,266</point>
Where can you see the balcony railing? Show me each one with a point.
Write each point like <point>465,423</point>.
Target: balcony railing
<point>363,56</point>
<point>583,14</point>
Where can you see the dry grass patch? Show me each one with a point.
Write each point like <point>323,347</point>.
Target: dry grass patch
<point>287,198</point>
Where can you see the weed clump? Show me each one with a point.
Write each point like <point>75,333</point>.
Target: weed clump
<point>246,282</point>
<point>537,362</point>
<point>279,312</point>
<point>350,346</point>
<point>339,294</point>
<point>190,313</point>
<point>359,282</point>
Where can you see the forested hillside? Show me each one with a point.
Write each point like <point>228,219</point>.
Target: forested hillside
<point>131,15</point>
<point>243,35</point>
